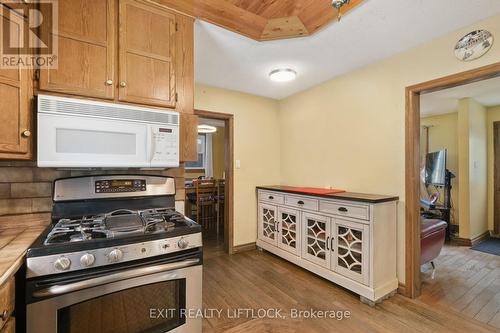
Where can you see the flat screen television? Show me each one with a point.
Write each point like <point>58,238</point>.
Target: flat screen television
<point>435,168</point>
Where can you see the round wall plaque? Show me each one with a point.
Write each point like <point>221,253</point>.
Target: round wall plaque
<point>474,45</point>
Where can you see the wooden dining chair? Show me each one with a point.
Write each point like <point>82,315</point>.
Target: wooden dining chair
<point>220,204</point>
<point>206,192</point>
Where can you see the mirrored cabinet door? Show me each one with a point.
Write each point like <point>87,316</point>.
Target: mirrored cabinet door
<point>316,239</point>
<point>289,230</point>
<point>351,250</point>
<point>268,221</point>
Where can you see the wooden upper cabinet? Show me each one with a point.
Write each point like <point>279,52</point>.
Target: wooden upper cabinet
<point>147,54</point>
<point>188,138</point>
<point>15,102</point>
<point>86,36</point>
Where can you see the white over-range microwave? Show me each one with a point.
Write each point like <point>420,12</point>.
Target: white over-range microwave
<point>77,133</point>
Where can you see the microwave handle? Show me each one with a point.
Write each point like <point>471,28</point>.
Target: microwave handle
<point>98,281</point>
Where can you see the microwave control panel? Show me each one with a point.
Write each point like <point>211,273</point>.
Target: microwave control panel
<point>165,146</point>
<point>120,185</point>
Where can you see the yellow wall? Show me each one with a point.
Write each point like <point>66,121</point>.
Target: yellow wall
<point>218,153</point>
<point>478,194</point>
<point>493,115</point>
<point>256,145</point>
<point>473,169</point>
<point>350,132</point>
<point>444,135</point>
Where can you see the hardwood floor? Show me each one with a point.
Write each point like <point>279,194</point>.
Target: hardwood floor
<point>259,280</point>
<point>466,281</point>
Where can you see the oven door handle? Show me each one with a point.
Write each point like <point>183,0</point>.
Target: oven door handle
<point>101,280</point>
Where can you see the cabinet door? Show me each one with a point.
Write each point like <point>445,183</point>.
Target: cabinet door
<point>86,50</point>
<point>268,220</point>
<point>351,249</point>
<point>146,55</point>
<point>289,230</point>
<point>15,102</point>
<point>188,138</point>
<point>316,239</point>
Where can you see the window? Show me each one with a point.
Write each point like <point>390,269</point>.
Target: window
<point>202,150</point>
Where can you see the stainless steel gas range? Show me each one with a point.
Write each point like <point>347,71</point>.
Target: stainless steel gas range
<point>117,258</point>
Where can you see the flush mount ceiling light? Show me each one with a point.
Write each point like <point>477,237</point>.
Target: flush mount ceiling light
<point>283,75</point>
<point>206,129</point>
<point>338,4</point>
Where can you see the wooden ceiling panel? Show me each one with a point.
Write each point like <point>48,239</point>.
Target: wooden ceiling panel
<point>262,19</point>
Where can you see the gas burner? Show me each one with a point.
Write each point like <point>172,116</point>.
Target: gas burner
<point>119,223</point>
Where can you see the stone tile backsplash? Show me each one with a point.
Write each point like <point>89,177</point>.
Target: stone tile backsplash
<point>27,189</point>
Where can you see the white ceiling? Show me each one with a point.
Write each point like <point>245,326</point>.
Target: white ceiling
<point>486,92</point>
<point>375,30</point>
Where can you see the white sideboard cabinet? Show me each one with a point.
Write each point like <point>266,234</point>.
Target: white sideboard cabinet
<point>348,238</point>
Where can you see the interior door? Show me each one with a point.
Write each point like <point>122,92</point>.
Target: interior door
<point>86,46</point>
<point>147,49</point>
<point>352,248</point>
<point>268,221</point>
<point>289,230</point>
<point>15,100</point>
<point>316,235</point>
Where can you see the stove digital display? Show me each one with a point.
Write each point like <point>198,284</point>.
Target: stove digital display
<point>120,185</point>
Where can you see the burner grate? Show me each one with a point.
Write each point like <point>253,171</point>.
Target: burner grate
<point>116,224</point>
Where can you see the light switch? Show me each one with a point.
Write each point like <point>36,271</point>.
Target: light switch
<point>238,164</point>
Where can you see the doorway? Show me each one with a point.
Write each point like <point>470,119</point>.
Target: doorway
<point>413,165</point>
<point>209,181</point>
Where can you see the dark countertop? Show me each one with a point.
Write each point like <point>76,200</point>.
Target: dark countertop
<point>351,196</point>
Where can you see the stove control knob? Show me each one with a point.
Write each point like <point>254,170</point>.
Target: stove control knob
<point>87,260</point>
<point>115,255</point>
<point>182,243</point>
<point>62,264</point>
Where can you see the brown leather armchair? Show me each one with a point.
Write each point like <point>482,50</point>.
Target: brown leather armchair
<point>432,236</point>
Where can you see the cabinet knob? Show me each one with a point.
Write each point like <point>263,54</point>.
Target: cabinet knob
<point>27,133</point>
<point>109,82</point>
<point>123,84</point>
<point>271,197</point>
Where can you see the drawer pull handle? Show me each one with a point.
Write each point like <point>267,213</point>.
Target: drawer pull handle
<point>300,202</point>
<point>343,210</point>
<point>4,316</point>
<point>326,243</point>
<point>331,245</point>
<point>271,197</point>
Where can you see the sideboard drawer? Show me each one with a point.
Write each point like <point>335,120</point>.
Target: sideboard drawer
<point>271,197</point>
<point>7,297</point>
<point>348,210</point>
<point>301,202</point>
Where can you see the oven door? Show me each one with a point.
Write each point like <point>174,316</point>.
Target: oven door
<point>145,299</point>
